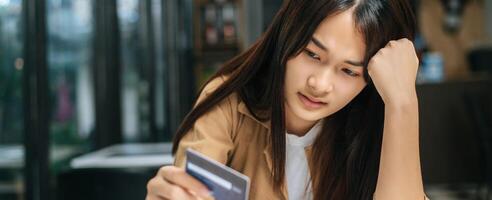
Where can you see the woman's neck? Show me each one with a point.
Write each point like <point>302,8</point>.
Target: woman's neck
<point>295,125</point>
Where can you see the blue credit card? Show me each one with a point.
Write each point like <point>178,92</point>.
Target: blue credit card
<point>224,182</point>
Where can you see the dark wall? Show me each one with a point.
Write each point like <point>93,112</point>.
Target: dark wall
<point>451,136</point>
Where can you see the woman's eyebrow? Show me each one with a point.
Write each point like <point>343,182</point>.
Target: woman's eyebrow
<point>355,63</point>
<point>324,48</point>
<point>319,44</point>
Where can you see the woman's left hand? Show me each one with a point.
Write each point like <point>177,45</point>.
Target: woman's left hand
<point>393,71</point>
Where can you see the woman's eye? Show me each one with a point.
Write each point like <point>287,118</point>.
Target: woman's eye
<point>312,55</point>
<point>350,72</point>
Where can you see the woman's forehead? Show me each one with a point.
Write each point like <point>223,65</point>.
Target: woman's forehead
<point>340,34</point>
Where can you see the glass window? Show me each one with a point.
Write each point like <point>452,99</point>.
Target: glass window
<point>69,52</point>
<point>143,85</point>
<point>69,31</point>
<point>133,88</point>
<point>11,116</point>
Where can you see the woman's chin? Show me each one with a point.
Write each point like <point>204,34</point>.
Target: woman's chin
<point>310,116</point>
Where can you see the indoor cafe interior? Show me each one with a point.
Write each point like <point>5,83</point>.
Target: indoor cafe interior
<point>92,92</point>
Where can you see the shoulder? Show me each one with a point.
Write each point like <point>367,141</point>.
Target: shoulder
<point>233,103</point>
<point>228,105</point>
<point>210,87</point>
<point>215,83</point>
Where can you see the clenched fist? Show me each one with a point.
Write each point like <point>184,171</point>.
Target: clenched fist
<point>393,70</point>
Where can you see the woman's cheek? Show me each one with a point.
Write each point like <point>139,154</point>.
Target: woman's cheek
<point>345,90</point>
<point>300,75</point>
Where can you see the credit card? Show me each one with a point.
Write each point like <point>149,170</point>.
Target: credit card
<point>224,182</point>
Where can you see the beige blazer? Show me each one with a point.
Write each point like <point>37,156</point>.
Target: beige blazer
<point>230,134</point>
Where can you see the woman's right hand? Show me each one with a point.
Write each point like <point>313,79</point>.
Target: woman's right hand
<point>174,183</point>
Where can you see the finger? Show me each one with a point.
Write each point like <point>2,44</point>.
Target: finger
<point>161,189</point>
<point>391,43</point>
<point>151,197</point>
<point>381,52</point>
<point>373,61</point>
<point>156,189</point>
<point>397,43</point>
<point>178,193</point>
<point>179,177</point>
<point>404,40</point>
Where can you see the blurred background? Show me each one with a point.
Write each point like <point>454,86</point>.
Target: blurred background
<point>92,91</point>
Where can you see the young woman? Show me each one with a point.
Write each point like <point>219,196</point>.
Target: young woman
<point>322,106</point>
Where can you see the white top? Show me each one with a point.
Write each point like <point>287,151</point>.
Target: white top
<point>296,164</point>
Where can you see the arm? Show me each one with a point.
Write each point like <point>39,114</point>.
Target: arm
<point>209,136</point>
<point>399,171</point>
<point>393,71</point>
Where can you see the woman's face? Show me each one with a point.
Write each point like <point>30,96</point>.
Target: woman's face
<point>328,73</point>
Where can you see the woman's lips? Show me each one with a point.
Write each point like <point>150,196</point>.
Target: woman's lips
<point>310,103</point>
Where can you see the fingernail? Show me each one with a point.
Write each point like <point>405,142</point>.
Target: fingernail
<point>206,193</point>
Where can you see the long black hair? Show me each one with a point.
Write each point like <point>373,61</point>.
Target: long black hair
<point>345,156</point>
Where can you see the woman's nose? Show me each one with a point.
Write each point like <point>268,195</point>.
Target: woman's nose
<point>321,83</point>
